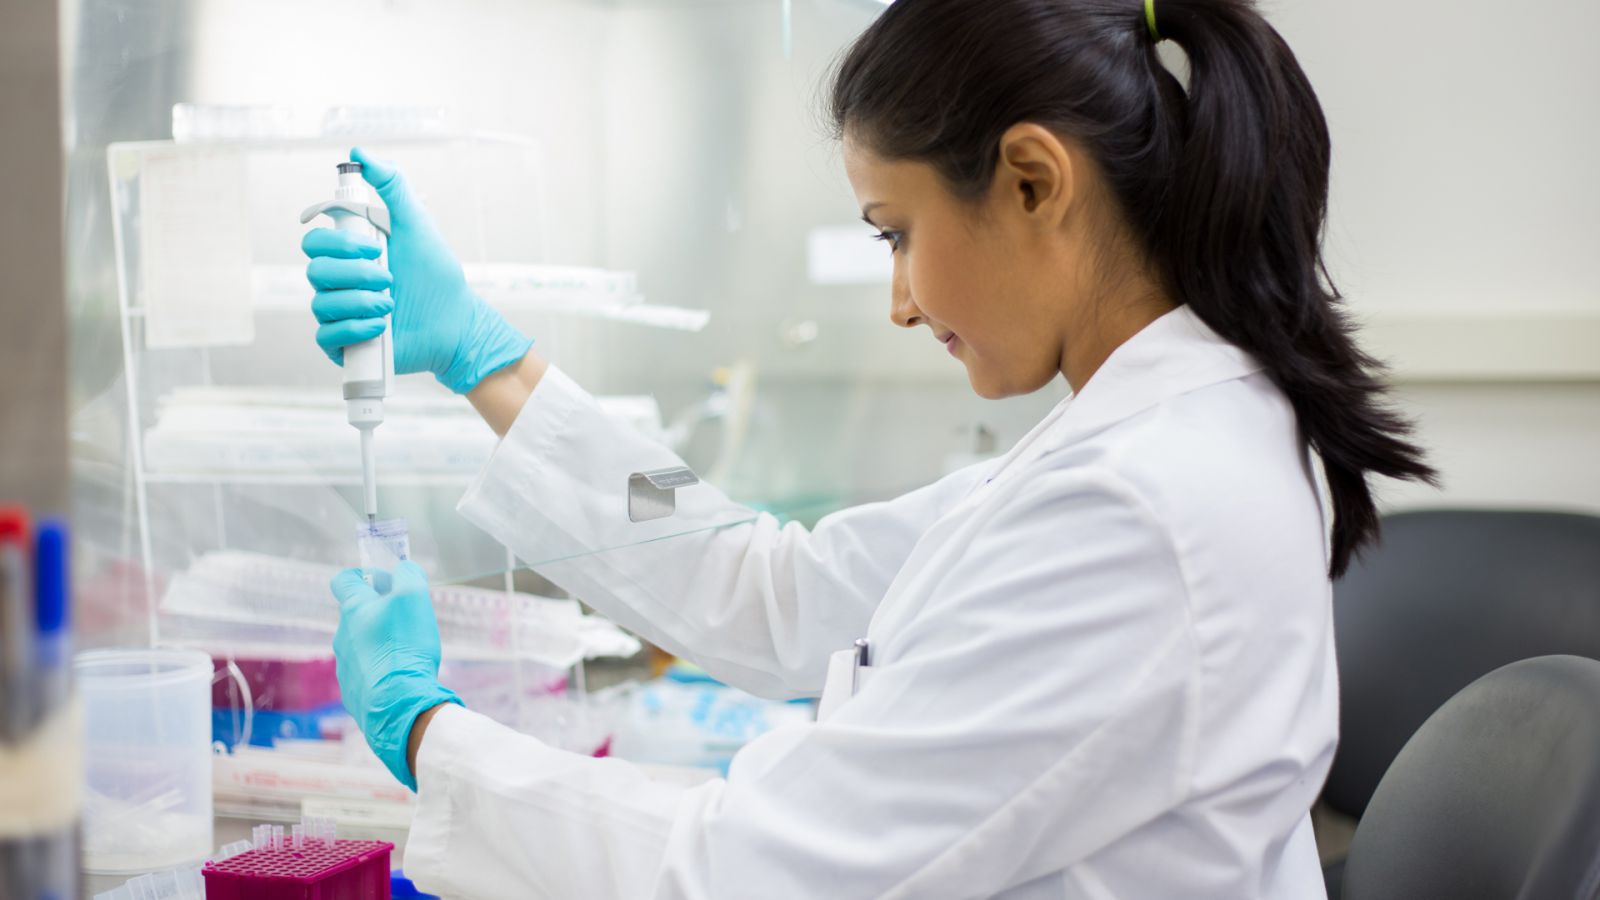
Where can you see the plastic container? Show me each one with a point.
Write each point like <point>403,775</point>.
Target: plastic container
<point>147,754</point>
<point>349,870</point>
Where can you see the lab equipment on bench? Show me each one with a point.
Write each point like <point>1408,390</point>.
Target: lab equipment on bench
<point>185,883</point>
<point>368,365</point>
<point>265,697</point>
<point>312,777</point>
<point>41,737</point>
<point>16,626</point>
<point>321,870</point>
<point>687,719</point>
<point>147,757</point>
<point>280,868</point>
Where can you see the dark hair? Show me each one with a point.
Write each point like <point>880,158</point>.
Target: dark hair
<point>1224,186</point>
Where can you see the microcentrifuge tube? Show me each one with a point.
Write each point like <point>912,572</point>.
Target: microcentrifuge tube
<point>383,545</point>
<point>277,837</point>
<point>297,837</point>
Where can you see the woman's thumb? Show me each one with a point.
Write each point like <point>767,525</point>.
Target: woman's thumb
<point>386,180</point>
<point>351,585</point>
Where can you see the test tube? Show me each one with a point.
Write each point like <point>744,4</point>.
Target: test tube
<point>277,837</point>
<point>297,836</point>
<point>261,837</point>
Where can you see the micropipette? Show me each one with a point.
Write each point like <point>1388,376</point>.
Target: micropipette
<point>369,365</point>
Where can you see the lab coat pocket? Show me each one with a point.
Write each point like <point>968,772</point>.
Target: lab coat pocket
<point>844,680</point>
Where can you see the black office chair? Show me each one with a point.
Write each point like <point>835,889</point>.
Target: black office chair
<point>1449,596</point>
<point>1497,795</point>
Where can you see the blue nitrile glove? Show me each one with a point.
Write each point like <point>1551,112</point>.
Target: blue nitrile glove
<point>387,658</point>
<point>440,325</point>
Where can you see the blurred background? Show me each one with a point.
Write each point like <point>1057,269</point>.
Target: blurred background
<point>681,143</point>
<point>649,189</point>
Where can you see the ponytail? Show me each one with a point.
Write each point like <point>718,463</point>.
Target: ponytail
<point>1225,184</point>
<point>1239,239</point>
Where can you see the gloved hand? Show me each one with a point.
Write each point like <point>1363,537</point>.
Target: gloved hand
<point>440,326</point>
<point>387,658</point>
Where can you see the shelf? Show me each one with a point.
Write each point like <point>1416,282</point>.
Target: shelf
<point>509,287</point>
<point>300,437</point>
<point>316,520</point>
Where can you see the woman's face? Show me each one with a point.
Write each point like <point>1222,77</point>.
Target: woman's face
<point>1005,281</point>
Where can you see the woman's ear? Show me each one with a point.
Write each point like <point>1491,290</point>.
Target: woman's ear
<point>1034,176</point>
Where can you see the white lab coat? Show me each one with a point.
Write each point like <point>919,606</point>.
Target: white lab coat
<point>1103,665</point>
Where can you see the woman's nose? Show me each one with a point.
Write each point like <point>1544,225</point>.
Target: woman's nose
<point>902,309</point>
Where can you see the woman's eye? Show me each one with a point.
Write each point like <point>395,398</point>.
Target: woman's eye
<point>893,238</point>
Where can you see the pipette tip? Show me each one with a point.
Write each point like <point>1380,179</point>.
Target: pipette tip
<point>369,481</point>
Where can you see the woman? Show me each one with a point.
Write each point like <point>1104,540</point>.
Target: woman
<point>1101,666</point>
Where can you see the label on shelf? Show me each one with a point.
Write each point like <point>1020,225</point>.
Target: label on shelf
<point>194,250</point>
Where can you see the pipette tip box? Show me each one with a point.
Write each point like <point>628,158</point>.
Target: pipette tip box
<point>348,870</point>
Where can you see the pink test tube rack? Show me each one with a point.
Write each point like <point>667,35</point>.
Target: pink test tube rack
<point>346,870</point>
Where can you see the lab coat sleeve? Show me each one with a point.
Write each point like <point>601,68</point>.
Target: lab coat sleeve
<point>1042,706</point>
<point>755,603</point>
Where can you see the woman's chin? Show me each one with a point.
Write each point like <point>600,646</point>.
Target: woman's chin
<point>986,386</point>
<point>998,386</point>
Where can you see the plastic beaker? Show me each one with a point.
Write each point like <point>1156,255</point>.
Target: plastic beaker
<point>147,754</point>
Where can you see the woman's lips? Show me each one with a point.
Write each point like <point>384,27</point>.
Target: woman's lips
<point>951,342</point>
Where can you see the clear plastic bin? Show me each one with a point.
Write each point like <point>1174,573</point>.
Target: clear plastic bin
<point>147,752</point>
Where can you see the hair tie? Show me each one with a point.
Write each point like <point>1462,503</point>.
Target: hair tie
<point>1150,20</point>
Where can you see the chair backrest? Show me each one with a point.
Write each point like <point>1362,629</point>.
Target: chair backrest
<point>1449,596</point>
<point>1496,796</point>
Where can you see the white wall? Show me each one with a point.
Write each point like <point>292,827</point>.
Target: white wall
<point>1507,445</point>
<point>1464,135</point>
<point>1465,223</point>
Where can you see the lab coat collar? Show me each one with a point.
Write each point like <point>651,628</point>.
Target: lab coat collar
<point>1175,354</point>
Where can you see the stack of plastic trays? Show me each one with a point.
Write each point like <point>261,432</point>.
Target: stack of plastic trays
<point>177,884</point>
<point>250,591</point>
<point>320,870</point>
